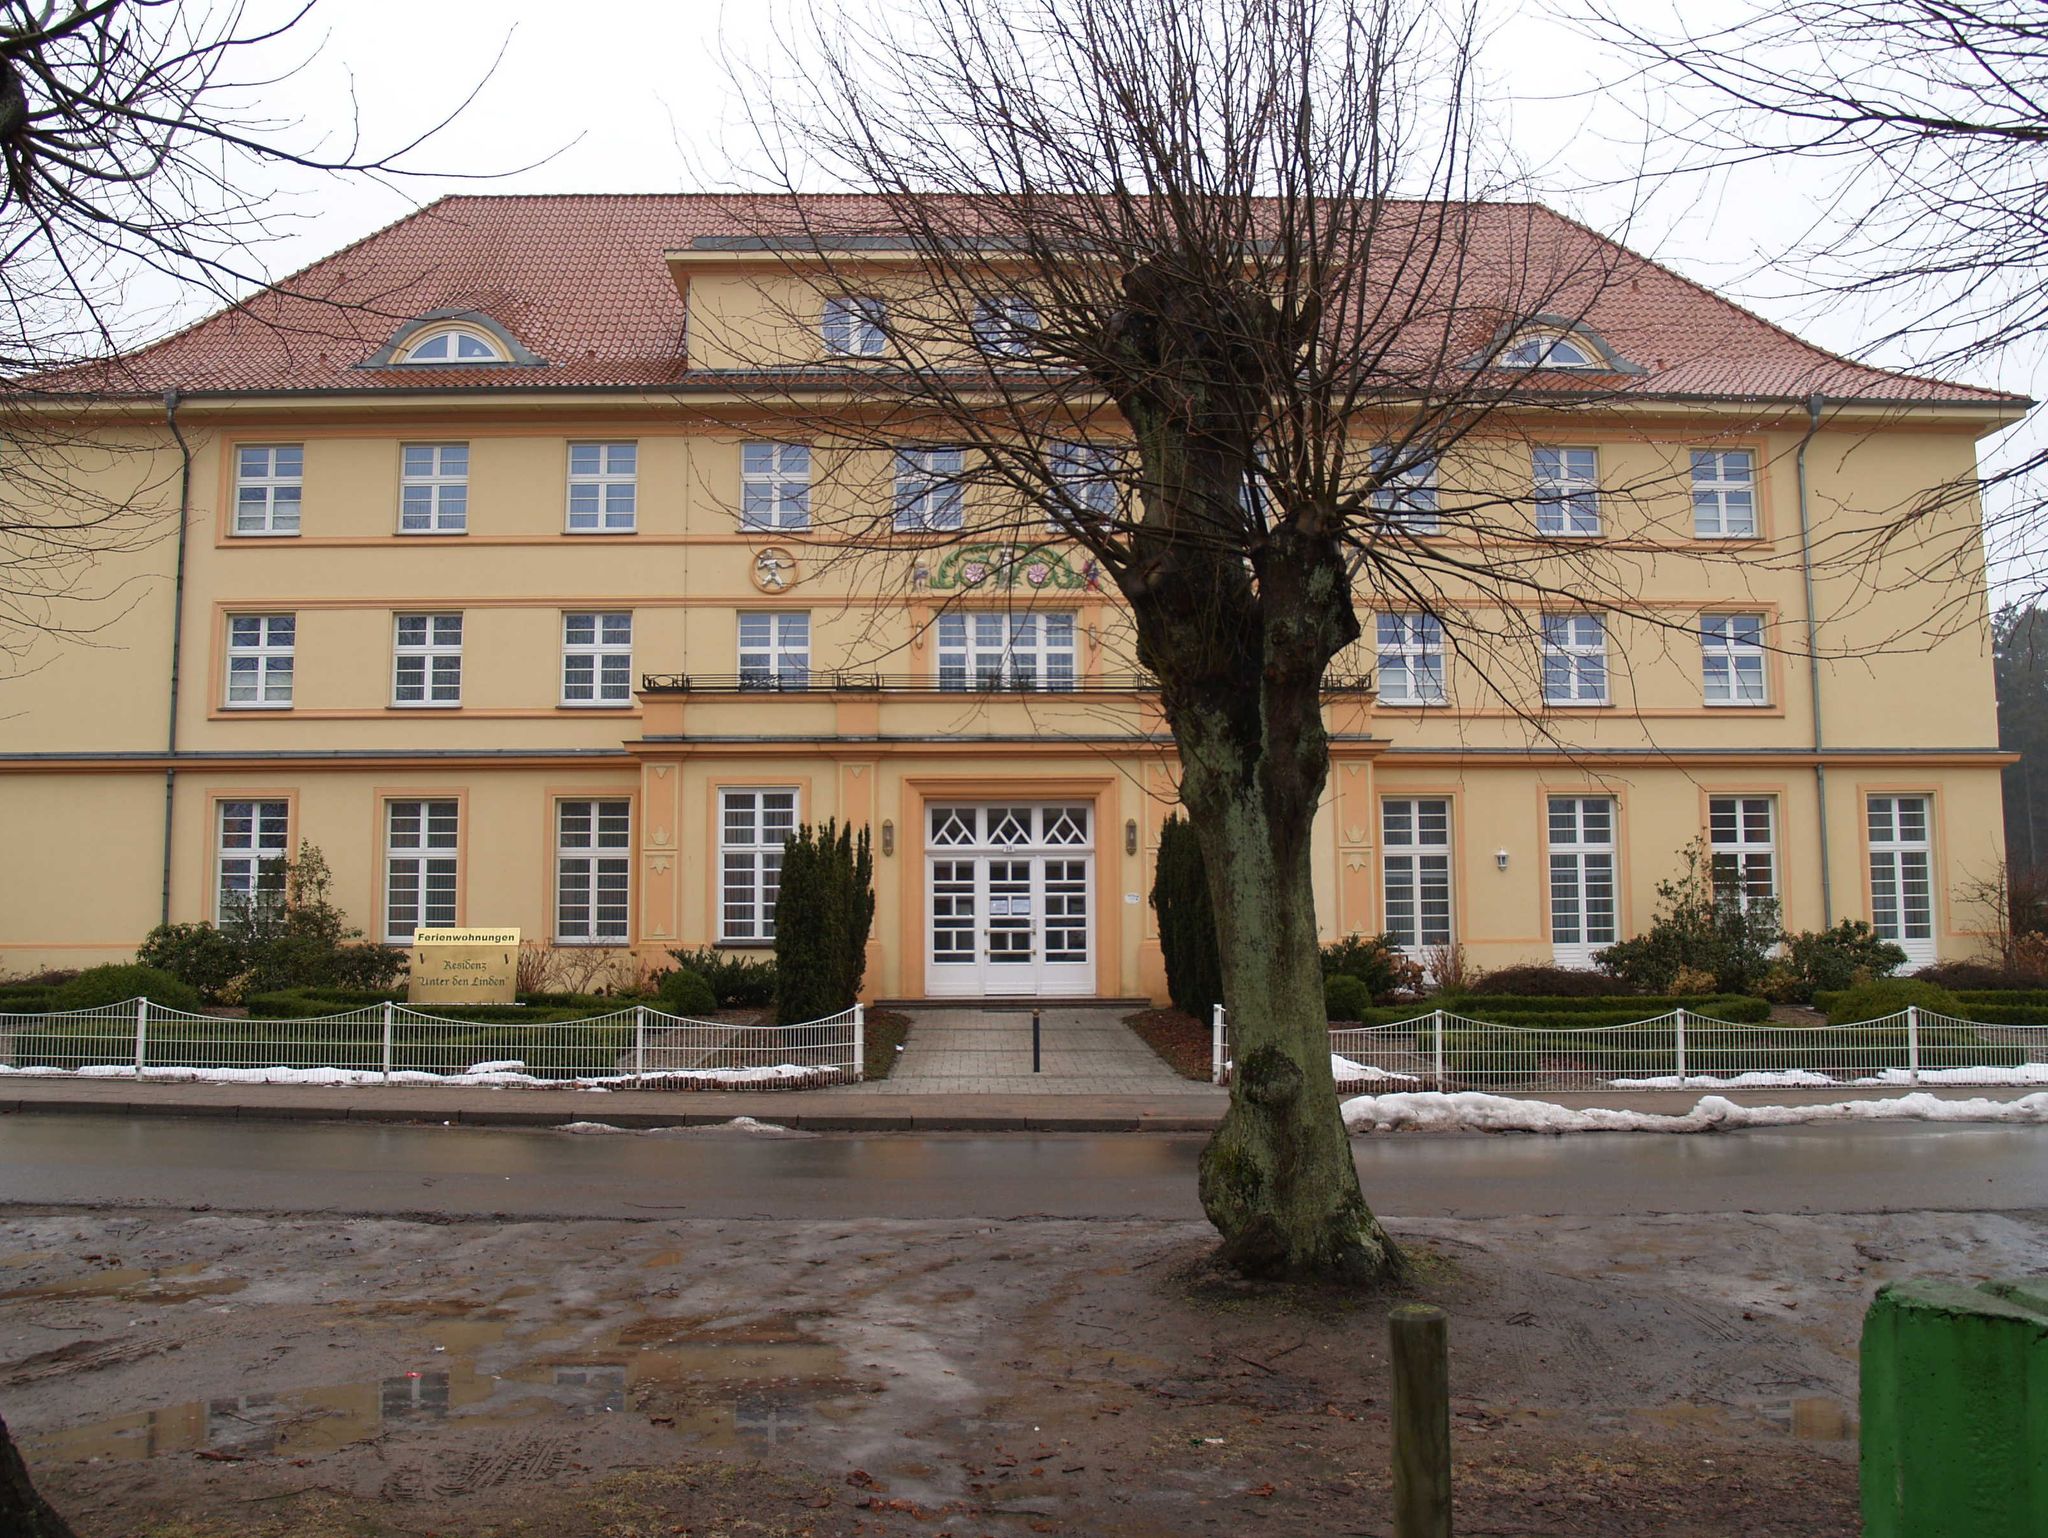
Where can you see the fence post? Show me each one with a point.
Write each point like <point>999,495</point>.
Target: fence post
<point>1680,1012</point>
<point>1216,1043</point>
<point>640,1041</point>
<point>1436,1019</point>
<point>390,1022</point>
<point>860,1041</point>
<point>141,1034</point>
<point>1912,1043</point>
<point>1419,1338</point>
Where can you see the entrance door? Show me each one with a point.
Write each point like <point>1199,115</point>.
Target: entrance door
<point>1011,894</point>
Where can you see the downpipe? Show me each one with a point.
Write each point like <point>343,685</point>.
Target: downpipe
<point>177,640</point>
<point>1814,403</point>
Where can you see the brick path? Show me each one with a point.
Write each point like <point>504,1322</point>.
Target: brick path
<point>970,1051</point>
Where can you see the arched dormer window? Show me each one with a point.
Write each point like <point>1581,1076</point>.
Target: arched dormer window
<point>452,344</point>
<point>1553,341</point>
<point>1546,349</point>
<point>452,339</point>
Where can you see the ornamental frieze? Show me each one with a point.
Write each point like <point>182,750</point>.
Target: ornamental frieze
<point>1039,567</point>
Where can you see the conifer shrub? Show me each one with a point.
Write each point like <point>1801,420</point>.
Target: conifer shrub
<point>1187,920</point>
<point>684,992</point>
<point>823,915</point>
<point>1345,997</point>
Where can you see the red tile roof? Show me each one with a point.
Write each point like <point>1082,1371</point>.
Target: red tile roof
<point>580,281</point>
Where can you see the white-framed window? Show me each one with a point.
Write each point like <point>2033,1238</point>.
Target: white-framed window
<point>1574,659</point>
<point>420,852</point>
<point>1902,874</point>
<point>604,487</point>
<point>252,844</point>
<point>1742,844</point>
<point>1406,497</point>
<point>1581,878</point>
<point>454,344</point>
<point>775,651</point>
<point>1732,659</point>
<point>1415,869</point>
<point>1723,494</point>
<point>260,656</point>
<point>433,488</point>
<point>929,495</point>
<point>1567,483</point>
<point>1006,651</point>
<point>1086,476</point>
<point>427,659</point>
<point>1004,325</point>
<point>775,485</point>
<point>1548,349</point>
<point>1411,659</point>
<point>270,482</point>
<point>597,658</point>
<point>853,326</point>
<point>593,872</point>
<point>753,827</point>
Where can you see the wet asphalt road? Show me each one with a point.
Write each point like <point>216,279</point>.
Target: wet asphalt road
<point>467,1172</point>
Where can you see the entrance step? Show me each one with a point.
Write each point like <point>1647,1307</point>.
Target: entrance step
<point>1019,1001</point>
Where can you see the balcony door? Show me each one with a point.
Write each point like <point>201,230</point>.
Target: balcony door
<point>1010,900</point>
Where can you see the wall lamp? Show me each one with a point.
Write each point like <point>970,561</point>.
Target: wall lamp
<point>888,836</point>
<point>1131,836</point>
<point>1500,857</point>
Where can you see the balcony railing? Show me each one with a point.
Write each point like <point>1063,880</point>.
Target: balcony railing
<point>841,682</point>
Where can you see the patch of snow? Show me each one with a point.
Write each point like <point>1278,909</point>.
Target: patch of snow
<point>746,1125</point>
<point>1472,1112</point>
<point>2018,1073</point>
<point>589,1127</point>
<point>509,1065</point>
<point>502,1075</point>
<point>1789,1078</point>
<point>1348,1072</point>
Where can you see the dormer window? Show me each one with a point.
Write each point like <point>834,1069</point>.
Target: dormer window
<point>456,344</point>
<point>1548,349</point>
<point>452,339</point>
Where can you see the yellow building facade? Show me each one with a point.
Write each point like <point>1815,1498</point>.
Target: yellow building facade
<point>522,633</point>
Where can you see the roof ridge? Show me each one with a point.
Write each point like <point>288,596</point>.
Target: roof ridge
<point>1765,321</point>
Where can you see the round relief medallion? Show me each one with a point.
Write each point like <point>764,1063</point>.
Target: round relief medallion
<point>774,570</point>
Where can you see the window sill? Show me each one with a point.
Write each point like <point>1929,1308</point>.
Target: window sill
<point>743,945</point>
<point>256,705</point>
<point>263,534</point>
<point>1578,704</point>
<point>1400,704</point>
<point>430,533</point>
<point>424,705</point>
<point>616,707</point>
<point>1736,704</point>
<point>586,533</point>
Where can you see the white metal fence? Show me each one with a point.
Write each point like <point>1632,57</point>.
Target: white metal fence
<point>634,1048</point>
<point>1682,1050</point>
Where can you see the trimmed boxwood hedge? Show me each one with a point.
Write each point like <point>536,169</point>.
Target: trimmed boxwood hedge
<point>533,1009</point>
<point>1985,1006</point>
<point>1569,1013</point>
<point>1484,1057</point>
<point>27,999</point>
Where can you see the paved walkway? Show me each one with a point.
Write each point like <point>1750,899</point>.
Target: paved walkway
<point>971,1051</point>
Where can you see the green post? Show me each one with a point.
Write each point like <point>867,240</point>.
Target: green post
<point>1955,1410</point>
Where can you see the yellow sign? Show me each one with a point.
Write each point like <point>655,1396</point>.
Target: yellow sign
<point>464,966</point>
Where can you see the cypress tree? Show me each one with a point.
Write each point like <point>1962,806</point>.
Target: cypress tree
<point>1187,922</point>
<point>823,916</point>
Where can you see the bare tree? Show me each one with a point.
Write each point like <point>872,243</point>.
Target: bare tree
<point>1208,288</point>
<point>1924,124</point>
<point>141,158</point>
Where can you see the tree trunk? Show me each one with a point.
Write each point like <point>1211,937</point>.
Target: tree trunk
<point>23,1513</point>
<point>1277,1178</point>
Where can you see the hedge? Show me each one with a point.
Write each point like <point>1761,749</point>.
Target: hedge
<point>29,999</point>
<point>1984,1006</point>
<point>1488,1057</point>
<point>534,1009</point>
<point>1492,1007</point>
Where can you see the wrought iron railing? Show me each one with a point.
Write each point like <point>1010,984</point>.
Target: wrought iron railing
<point>848,682</point>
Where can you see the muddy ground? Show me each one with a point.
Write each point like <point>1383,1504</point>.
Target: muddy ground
<point>199,1374</point>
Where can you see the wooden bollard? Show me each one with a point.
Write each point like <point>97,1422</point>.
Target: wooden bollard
<point>1420,1351</point>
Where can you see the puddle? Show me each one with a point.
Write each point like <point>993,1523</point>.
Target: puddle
<point>760,1381</point>
<point>161,1284</point>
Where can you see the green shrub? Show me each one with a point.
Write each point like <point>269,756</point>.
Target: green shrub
<point>1887,996</point>
<point>2012,997</point>
<point>199,955</point>
<point>1377,962</point>
<point>683,992</point>
<point>1540,980</point>
<point>738,980</point>
<point>1850,953</point>
<point>1187,921</point>
<point>25,999</point>
<point>305,941</point>
<point>1961,976</point>
<point>1345,997</point>
<point>1583,1014</point>
<point>110,984</point>
<point>823,916</point>
<point>1713,932</point>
